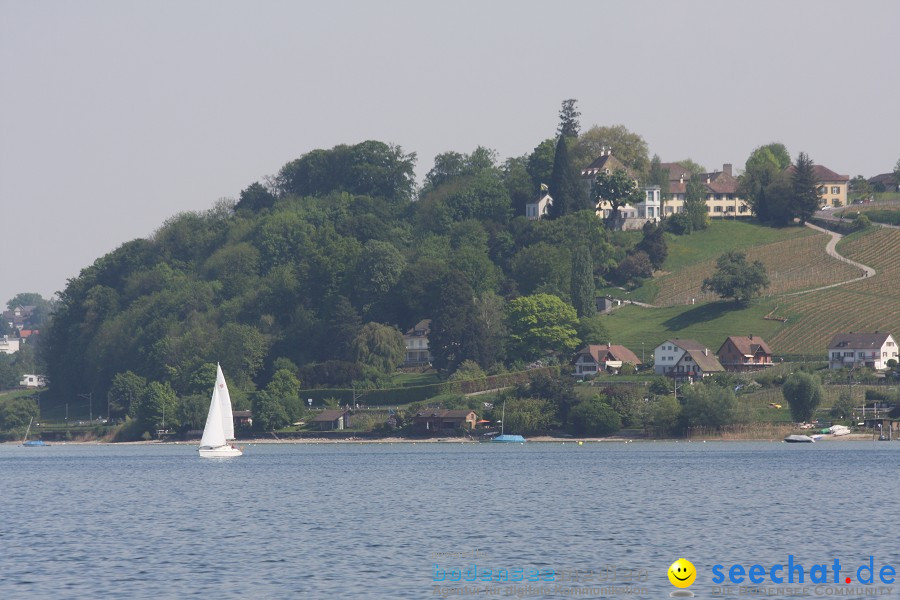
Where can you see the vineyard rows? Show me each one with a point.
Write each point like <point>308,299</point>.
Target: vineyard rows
<point>872,304</point>
<point>793,264</point>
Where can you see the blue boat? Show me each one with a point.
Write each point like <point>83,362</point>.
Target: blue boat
<point>27,442</point>
<point>509,439</point>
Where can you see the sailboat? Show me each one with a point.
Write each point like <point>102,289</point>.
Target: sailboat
<point>219,423</point>
<point>507,438</point>
<point>27,442</point>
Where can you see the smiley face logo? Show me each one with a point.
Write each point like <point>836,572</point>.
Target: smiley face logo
<point>682,573</point>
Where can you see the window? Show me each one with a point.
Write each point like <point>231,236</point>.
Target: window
<point>729,209</point>
<point>835,189</point>
<point>742,208</point>
<point>823,190</point>
<point>717,209</point>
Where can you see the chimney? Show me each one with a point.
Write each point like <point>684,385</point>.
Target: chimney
<point>681,179</point>
<point>707,178</point>
<point>706,352</point>
<point>727,169</point>
<point>750,336</point>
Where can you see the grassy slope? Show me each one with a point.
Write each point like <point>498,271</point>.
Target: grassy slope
<point>869,305</point>
<point>812,318</point>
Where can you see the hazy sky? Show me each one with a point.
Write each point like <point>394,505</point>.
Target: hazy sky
<point>116,115</point>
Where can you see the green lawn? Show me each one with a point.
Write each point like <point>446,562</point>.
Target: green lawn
<point>708,323</point>
<point>720,237</point>
<point>414,379</point>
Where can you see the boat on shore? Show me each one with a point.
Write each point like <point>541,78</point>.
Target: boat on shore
<point>219,427</point>
<point>27,442</point>
<point>504,438</point>
<point>799,439</point>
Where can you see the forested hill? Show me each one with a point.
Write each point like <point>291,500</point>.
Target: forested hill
<point>329,263</point>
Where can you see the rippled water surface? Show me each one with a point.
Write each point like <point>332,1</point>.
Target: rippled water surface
<point>373,520</point>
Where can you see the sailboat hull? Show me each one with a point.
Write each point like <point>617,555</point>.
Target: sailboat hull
<point>220,452</point>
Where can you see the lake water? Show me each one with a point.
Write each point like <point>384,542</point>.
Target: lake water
<point>373,520</point>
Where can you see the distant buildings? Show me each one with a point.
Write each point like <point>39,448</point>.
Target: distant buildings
<point>685,359</point>
<point>416,342</point>
<point>854,350</point>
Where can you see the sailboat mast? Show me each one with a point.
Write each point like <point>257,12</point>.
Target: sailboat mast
<point>28,430</point>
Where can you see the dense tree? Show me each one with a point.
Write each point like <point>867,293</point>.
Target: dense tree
<point>370,168</point>
<point>540,163</point>
<point>695,203</point>
<point>628,147</point>
<point>255,198</point>
<point>619,189</point>
<point>591,330</point>
<point>539,324</point>
<point>125,393</point>
<point>762,169</point>
<point>735,278</point>
<point>528,416</point>
<point>519,185</point>
<point>379,269</point>
<point>803,393</point>
<point>342,325</point>
<point>709,406</point>
<point>568,119</point>
<point>454,336</point>
<point>583,291</point>
<point>664,414</point>
<point>158,408</point>
<point>543,266</point>
<point>268,412</point>
<point>594,417</point>
<point>653,244</point>
<point>844,406</point>
<point>693,167</point>
<point>805,200</point>
<point>633,268</point>
<point>897,172</point>
<point>16,413</point>
<point>565,183</point>
<point>379,346</point>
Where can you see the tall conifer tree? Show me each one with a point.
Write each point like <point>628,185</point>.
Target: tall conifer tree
<point>805,199</point>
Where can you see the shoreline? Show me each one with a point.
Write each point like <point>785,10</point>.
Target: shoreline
<point>856,437</point>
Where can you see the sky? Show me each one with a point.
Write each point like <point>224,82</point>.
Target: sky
<point>115,116</point>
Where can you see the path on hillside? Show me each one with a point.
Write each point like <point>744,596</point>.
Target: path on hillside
<point>831,250</point>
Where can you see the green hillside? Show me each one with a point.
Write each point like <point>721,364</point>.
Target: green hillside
<point>811,318</point>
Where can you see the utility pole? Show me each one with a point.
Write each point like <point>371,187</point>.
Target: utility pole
<point>90,399</point>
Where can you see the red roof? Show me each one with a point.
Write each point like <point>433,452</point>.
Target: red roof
<point>602,353</point>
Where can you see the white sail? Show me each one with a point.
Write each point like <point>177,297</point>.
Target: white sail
<point>214,432</point>
<point>225,401</point>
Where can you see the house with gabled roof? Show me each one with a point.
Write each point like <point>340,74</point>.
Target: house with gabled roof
<point>685,359</point>
<point>744,353</point>
<point>832,187</point>
<point>440,419</point>
<point>630,217</point>
<point>720,187</point>
<point>855,350</point>
<point>332,419</point>
<point>416,342</point>
<point>540,208</point>
<point>596,357</point>
<point>886,182</point>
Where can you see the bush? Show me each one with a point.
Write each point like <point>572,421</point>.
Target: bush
<point>679,224</point>
<point>595,417</point>
<point>709,406</point>
<point>844,406</point>
<point>804,394</point>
